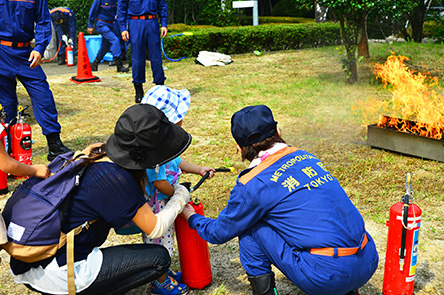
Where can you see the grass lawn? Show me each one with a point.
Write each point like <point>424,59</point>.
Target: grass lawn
<point>313,105</point>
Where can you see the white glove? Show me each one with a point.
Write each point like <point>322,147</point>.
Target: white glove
<point>3,231</point>
<point>65,39</point>
<point>70,41</point>
<point>174,207</point>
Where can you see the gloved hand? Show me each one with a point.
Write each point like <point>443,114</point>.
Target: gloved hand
<point>166,217</point>
<point>182,194</point>
<point>65,39</point>
<point>70,41</point>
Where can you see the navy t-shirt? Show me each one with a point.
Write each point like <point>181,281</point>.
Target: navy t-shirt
<point>107,193</point>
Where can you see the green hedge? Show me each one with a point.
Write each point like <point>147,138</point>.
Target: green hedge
<point>248,20</point>
<point>234,40</point>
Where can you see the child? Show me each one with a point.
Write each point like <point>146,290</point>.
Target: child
<point>11,166</point>
<point>174,104</point>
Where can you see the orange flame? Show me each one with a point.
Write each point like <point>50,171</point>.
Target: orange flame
<point>417,103</point>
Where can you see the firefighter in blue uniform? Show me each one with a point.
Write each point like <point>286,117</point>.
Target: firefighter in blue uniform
<point>103,13</point>
<point>18,60</point>
<point>287,210</point>
<point>65,25</point>
<point>139,24</point>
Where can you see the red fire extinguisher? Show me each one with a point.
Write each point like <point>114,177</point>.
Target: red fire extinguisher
<point>402,245</point>
<point>69,55</point>
<point>193,250</point>
<point>4,142</point>
<point>21,139</point>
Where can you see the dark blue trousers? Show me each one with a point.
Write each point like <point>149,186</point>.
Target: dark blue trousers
<point>14,65</point>
<point>144,33</point>
<point>110,40</point>
<point>261,246</point>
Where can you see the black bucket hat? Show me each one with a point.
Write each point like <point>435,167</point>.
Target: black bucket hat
<point>144,137</point>
<point>252,124</point>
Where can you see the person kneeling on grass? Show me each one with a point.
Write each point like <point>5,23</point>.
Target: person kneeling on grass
<point>287,210</point>
<point>111,192</point>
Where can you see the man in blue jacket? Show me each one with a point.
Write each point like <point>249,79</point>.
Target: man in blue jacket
<point>20,22</point>
<point>287,210</point>
<point>103,14</point>
<point>139,24</point>
<point>65,25</point>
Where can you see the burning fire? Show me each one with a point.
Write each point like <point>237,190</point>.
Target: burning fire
<point>417,102</point>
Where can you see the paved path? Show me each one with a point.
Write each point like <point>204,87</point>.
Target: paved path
<point>52,68</point>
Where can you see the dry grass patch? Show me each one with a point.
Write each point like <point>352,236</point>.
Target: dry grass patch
<point>312,103</point>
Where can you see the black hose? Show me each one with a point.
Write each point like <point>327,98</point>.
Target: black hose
<point>405,215</point>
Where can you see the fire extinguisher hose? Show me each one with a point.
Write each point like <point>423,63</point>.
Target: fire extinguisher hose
<point>405,215</point>
<point>230,169</point>
<point>57,53</point>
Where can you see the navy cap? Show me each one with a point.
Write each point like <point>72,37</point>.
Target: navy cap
<point>56,17</point>
<point>252,124</point>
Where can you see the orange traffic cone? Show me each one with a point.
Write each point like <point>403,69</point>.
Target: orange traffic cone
<point>84,73</point>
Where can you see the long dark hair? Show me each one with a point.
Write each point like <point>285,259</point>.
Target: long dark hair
<point>99,152</point>
<point>250,152</point>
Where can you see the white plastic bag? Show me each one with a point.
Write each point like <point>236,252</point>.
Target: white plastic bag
<point>207,58</point>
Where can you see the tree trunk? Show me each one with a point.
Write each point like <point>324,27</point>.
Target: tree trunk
<point>349,38</point>
<point>351,66</point>
<point>417,18</point>
<point>363,39</point>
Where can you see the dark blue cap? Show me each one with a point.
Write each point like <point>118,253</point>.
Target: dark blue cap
<point>252,124</point>
<point>57,17</point>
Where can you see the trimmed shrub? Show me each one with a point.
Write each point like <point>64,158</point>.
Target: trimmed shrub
<point>235,40</point>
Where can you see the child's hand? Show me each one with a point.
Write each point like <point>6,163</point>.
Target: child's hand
<point>204,170</point>
<point>41,171</point>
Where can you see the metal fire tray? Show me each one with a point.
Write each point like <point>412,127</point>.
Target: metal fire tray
<point>405,143</point>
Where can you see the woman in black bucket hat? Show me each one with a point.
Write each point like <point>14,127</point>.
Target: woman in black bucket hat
<point>111,193</point>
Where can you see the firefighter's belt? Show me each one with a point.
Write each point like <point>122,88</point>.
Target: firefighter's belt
<point>105,21</point>
<point>145,16</point>
<point>340,251</point>
<point>15,44</point>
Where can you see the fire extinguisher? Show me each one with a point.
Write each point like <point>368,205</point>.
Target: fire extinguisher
<point>4,142</point>
<point>21,139</point>
<point>69,55</point>
<point>193,250</point>
<point>402,245</point>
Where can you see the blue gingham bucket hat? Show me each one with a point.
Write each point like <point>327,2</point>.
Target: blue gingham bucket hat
<point>173,103</point>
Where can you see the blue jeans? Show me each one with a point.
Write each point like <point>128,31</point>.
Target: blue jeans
<point>126,267</point>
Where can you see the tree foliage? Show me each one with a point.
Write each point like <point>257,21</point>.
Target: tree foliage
<point>351,15</point>
<point>202,12</point>
<point>402,15</point>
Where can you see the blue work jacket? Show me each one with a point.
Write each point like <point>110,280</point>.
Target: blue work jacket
<point>17,20</point>
<point>296,196</point>
<point>127,8</point>
<point>104,10</point>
